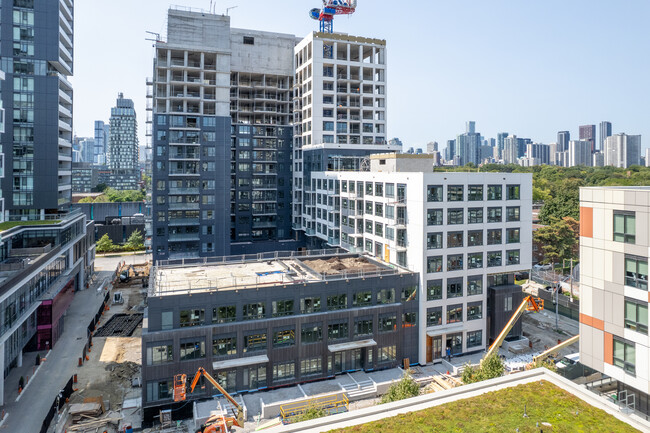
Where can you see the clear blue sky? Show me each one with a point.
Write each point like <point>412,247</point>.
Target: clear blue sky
<point>528,67</point>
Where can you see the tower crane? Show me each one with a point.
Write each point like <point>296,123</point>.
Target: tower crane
<point>331,8</point>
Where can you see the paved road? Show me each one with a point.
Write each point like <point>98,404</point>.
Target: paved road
<point>28,413</point>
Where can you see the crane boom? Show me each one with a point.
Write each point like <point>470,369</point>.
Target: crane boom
<point>181,378</point>
<point>528,304</point>
<point>555,349</point>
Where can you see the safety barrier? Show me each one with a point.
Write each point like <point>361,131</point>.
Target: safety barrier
<point>57,404</point>
<point>330,404</point>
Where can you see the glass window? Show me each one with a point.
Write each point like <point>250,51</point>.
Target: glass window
<point>494,258</point>
<point>160,354</point>
<point>512,257</point>
<point>624,227</point>
<point>474,260</point>
<point>434,264</point>
<point>284,337</point>
<point>434,193</point>
<point>455,262</point>
<point>379,229</point>
<point>409,294</point>
<point>512,236</point>
<point>434,241</point>
<point>386,296</point>
<point>494,192</point>
<point>390,211</point>
<point>192,317</point>
<point>224,346</point>
<point>625,355</point>
<point>475,310</point>
<point>409,320</point>
<point>512,192</point>
<point>454,313</point>
<point>284,371</point>
<point>283,308</point>
<point>474,238</point>
<point>494,237</point>
<point>310,305</point>
<point>475,215</point>
<point>475,193</point>
<point>379,209</point>
<point>379,189</point>
<point>454,239</point>
<point>454,216</point>
<point>434,290</point>
<point>454,287</point>
<point>494,215</point>
<point>194,349</point>
<point>336,331</point>
<point>388,353</point>
<point>362,299</point>
<point>311,334</point>
<point>636,316</point>
<point>434,316</point>
<point>254,311</point>
<point>512,213</point>
<point>255,342</point>
<point>474,285</point>
<point>363,327</point>
<point>474,339</point>
<point>455,193</point>
<point>390,190</point>
<point>368,188</point>
<point>434,217</point>
<point>388,323</point>
<point>636,272</point>
<point>311,366</point>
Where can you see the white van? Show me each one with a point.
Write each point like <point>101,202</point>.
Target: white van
<point>568,360</point>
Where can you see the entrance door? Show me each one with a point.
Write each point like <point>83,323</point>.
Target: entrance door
<point>436,348</point>
<point>336,363</point>
<point>355,361</point>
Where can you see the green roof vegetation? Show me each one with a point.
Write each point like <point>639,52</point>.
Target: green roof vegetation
<point>11,224</point>
<point>502,411</point>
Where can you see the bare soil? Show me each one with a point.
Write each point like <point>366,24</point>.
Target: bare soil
<point>336,265</point>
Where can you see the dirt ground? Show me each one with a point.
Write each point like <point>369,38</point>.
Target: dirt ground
<point>337,265</point>
<point>540,330</point>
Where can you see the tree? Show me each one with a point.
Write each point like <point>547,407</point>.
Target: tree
<point>559,241</point>
<point>105,244</point>
<point>86,200</point>
<point>490,368</point>
<point>135,241</point>
<point>565,204</point>
<point>101,187</point>
<point>405,388</point>
<point>312,412</point>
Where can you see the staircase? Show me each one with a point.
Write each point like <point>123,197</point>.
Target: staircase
<point>359,390</point>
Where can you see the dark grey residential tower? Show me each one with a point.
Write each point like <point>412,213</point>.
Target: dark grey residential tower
<point>123,145</point>
<point>605,131</point>
<point>588,133</point>
<point>37,52</point>
<point>101,142</point>
<point>563,138</point>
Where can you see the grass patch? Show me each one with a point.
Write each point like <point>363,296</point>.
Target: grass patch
<point>11,224</point>
<point>502,411</point>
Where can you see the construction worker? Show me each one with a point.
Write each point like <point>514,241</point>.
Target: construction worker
<point>448,354</point>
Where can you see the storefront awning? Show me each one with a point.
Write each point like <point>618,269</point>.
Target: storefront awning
<point>447,329</point>
<point>351,345</point>
<point>239,362</point>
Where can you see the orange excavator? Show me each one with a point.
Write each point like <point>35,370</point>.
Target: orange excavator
<point>216,423</point>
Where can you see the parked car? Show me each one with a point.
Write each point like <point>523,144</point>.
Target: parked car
<point>570,359</point>
<point>543,267</point>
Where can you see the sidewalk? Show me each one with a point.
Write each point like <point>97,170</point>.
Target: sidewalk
<point>27,414</point>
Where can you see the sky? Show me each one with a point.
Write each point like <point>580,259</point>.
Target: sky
<point>527,67</point>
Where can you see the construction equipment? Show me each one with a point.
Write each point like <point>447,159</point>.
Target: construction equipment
<point>216,423</point>
<point>331,8</point>
<point>528,304</point>
<point>555,349</point>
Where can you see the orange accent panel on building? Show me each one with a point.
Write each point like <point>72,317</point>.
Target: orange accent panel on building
<point>587,320</point>
<point>587,222</point>
<point>609,349</point>
<point>592,321</point>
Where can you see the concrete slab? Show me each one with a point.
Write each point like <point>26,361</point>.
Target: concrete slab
<point>322,387</point>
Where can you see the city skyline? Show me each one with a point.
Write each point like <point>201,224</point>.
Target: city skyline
<point>454,65</point>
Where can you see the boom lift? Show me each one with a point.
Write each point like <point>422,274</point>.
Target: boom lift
<point>555,349</point>
<point>528,304</point>
<point>216,423</point>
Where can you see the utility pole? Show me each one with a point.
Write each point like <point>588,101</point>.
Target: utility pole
<point>571,278</point>
<point>557,302</point>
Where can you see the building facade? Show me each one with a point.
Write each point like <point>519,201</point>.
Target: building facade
<point>605,131</point>
<point>563,138</point>
<point>579,153</point>
<point>622,150</point>
<point>273,321</point>
<point>123,146</point>
<point>101,143</point>
<point>84,177</point>
<point>461,232</point>
<point>588,133</point>
<point>614,242</point>
<point>37,59</point>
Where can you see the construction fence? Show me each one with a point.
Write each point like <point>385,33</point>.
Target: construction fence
<point>92,326</point>
<point>566,306</point>
<point>57,404</point>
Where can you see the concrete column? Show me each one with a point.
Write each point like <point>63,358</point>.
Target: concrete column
<point>20,358</point>
<point>2,369</point>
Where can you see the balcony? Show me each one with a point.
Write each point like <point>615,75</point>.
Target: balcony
<point>184,237</point>
<point>178,191</point>
<point>183,206</point>
<point>184,222</point>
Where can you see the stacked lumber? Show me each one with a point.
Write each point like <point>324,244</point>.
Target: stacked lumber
<point>85,411</point>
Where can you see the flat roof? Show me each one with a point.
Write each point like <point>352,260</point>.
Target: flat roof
<point>247,272</point>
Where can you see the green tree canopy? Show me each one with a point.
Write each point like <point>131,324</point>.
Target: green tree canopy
<point>405,388</point>
<point>135,241</point>
<point>105,244</point>
<point>490,368</point>
<point>559,240</point>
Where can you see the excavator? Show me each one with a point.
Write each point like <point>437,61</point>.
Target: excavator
<point>216,423</point>
<point>528,304</point>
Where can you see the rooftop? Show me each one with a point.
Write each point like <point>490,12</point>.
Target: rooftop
<point>253,271</point>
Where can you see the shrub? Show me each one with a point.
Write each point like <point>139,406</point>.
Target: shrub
<point>405,388</point>
<point>490,368</point>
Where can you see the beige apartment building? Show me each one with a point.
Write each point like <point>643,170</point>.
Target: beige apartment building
<point>614,251</point>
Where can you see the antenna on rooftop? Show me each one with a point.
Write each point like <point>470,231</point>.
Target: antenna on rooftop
<point>231,7</point>
<point>155,38</point>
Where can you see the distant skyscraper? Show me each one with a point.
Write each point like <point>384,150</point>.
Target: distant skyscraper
<point>647,157</point>
<point>540,152</point>
<point>588,133</point>
<point>468,145</point>
<point>510,150</point>
<point>501,137</point>
<point>563,138</point>
<point>605,131</point>
<point>622,150</point>
<point>450,150</point>
<point>123,145</point>
<point>470,127</point>
<point>580,153</point>
<point>101,142</point>
<point>432,146</point>
<point>87,148</point>
<point>598,159</point>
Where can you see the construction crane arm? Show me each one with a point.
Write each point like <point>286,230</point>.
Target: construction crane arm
<point>529,303</point>
<point>555,349</point>
<point>240,410</point>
